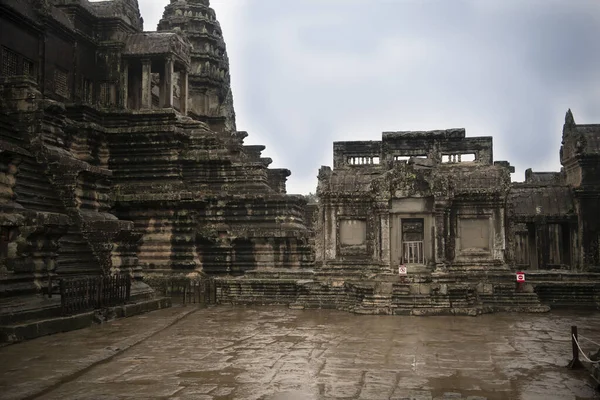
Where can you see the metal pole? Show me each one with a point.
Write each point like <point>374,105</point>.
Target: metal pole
<point>575,362</point>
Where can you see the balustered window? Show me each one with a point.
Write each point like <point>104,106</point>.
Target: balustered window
<point>458,157</point>
<point>61,83</point>
<point>87,91</point>
<point>413,236</point>
<point>28,68</point>
<point>10,62</point>
<point>107,95</point>
<point>362,160</point>
<point>14,64</point>
<point>405,158</point>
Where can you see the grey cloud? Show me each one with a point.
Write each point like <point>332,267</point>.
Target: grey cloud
<point>307,73</point>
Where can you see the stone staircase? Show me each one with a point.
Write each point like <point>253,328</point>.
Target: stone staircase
<point>569,294</point>
<point>29,317</point>
<point>322,295</point>
<point>257,291</point>
<point>505,297</point>
<point>416,295</point>
<point>417,299</point>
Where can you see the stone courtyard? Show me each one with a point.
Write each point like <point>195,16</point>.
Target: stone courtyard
<point>278,353</point>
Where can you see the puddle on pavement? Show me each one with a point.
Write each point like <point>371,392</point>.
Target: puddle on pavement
<point>267,353</point>
<point>221,376</point>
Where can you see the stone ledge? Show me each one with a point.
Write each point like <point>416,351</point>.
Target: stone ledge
<point>129,310</point>
<point>489,309</point>
<point>15,333</point>
<point>30,330</point>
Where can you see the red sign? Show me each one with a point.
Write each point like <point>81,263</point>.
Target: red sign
<point>520,276</point>
<point>402,270</point>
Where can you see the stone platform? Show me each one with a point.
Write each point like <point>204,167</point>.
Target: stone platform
<point>272,353</point>
<point>596,376</point>
<point>446,293</point>
<point>29,317</point>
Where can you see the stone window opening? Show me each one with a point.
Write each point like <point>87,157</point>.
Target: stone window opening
<point>61,82</point>
<point>405,158</point>
<point>87,90</point>
<point>154,84</point>
<point>14,64</point>
<point>458,158</point>
<point>107,96</point>
<point>10,62</point>
<point>413,238</point>
<point>365,160</point>
<point>28,68</point>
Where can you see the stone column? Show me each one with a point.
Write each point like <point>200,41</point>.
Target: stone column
<point>384,218</point>
<point>439,238</point>
<point>183,100</point>
<point>541,234</point>
<point>166,85</point>
<point>125,84</point>
<point>9,168</point>
<point>330,228</point>
<point>146,84</point>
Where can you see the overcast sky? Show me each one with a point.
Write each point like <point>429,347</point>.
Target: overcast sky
<point>306,73</point>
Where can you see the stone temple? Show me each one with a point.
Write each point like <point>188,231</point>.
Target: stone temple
<point>120,156</point>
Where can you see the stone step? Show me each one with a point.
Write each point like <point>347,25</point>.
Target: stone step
<point>30,329</point>
<point>24,308</point>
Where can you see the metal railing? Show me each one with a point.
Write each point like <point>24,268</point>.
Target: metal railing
<point>199,292</point>
<point>91,293</point>
<point>413,252</point>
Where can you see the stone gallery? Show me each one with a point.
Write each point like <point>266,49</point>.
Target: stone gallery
<point>123,178</point>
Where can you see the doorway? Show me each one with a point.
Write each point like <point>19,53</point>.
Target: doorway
<point>413,235</point>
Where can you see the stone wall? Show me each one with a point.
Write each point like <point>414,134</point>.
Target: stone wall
<point>417,199</point>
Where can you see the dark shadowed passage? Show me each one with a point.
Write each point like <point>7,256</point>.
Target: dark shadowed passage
<point>277,353</point>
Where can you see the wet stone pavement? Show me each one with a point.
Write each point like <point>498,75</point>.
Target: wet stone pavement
<point>277,353</point>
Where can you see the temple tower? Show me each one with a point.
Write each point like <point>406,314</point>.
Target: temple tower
<point>130,9</point>
<point>580,157</point>
<point>210,98</point>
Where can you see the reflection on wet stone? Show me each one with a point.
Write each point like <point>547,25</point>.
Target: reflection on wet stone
<point>324,354</point>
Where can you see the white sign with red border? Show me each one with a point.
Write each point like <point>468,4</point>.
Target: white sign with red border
<point>520,276</point>
<point>402,270</point>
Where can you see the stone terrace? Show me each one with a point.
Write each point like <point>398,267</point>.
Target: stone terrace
<point>277,353</point>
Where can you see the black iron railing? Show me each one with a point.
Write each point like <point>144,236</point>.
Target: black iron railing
<point>91,293</point>
<point>199,292</point>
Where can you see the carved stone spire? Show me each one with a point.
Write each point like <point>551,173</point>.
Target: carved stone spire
<point>569,120</point>
<point>209,81</point>
<point>131,9</point>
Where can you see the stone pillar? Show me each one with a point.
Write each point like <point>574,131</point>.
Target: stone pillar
<point>541,235</point>
<point>330,228</point>
<point>384,218</point>
<point>183,99</point>
<point>9,168</point>
<point>166,85</point>
<point>146,84</point>
<point>440,230</point>
<point>125,84</point>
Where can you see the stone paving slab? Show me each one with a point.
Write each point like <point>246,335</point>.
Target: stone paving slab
<point>29,368</point>
<point>276,353</point>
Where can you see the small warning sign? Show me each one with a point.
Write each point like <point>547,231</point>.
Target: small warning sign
<point>520,276</point>
<point>402,270</point>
